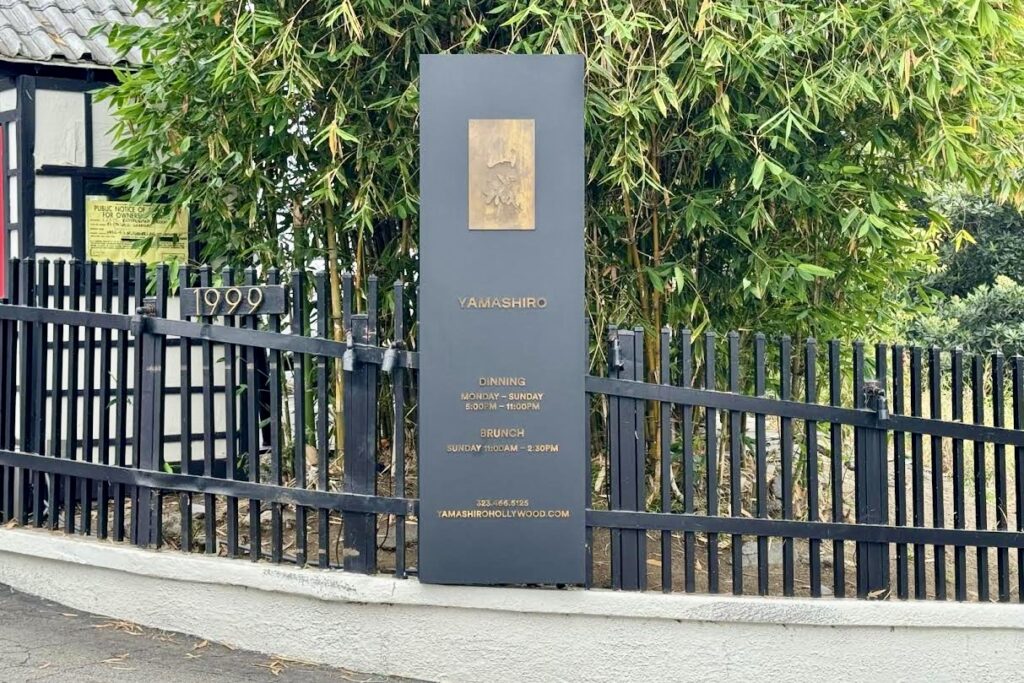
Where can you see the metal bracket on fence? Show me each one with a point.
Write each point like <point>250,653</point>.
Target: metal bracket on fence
<point>390,359</point>
<point>140,321</point>
<point>616,351</point>
<point>348,359</point>
<point>874,396</point>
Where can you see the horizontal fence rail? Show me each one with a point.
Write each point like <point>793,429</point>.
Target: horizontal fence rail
<point>737,463</point>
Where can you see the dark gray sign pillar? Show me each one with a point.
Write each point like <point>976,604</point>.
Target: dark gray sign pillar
<point>502,402</point>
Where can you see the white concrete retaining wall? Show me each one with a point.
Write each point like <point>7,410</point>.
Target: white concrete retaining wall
<point>387,626</point>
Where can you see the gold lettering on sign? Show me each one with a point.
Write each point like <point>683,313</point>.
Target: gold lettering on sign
<point>471,302</point>
<point>501,174</point>
<point>503,381</point>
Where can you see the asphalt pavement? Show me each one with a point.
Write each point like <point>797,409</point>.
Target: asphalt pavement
<point>44,641</point>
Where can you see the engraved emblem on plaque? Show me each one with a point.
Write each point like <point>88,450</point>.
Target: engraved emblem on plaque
<point>501,174</point>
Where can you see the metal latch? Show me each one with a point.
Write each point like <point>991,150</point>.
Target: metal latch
<point>348,359</point>
<point>874,393</point>
<point>390,360</point>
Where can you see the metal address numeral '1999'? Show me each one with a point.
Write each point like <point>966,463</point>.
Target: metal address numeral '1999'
<point>233,300</point>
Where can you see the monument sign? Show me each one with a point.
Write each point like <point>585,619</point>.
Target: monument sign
<point>502,343</point>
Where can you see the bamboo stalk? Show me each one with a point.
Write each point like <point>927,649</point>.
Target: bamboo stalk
<point>338,324</point>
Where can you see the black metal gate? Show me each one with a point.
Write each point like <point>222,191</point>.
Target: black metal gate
<point>88,450</point>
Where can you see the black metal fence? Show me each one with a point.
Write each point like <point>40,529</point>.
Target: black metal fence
<point>224,436</point>
<point>86,441</point>
<point>774,511</point>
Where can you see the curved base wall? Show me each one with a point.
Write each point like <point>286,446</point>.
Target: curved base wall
<point>444,633</point>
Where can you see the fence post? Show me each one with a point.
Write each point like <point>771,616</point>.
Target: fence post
<point>29,357</point>
<point>873,497</point>
<point>8,383</point>
<point>149,388</point>
<point>360,529</point>
<point>627,445</point>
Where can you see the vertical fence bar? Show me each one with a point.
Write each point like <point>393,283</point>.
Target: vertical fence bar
<point>57,426</point>
<point>638,459</point>
<point>735,463</point>
<point>588,481</point>
<point>148,512</point>
<point>398,417</point>
<point>103,409</point>
<point>617,365</point>
<point>251,426</point>
<point>139,276</point>
<point>873,557</point>
<point>360,458</point>
<point>9,390</point>
<point>231,425</point>
<point>711,457</point>
<point>938,498</point>
<point>629,567</point>
<point>786,437</point>
<point>121,401</point>
<point>880,579</point>
<point>998,420</point>
<point>917,472</point>
<point>1018,464</point>
<point>959,517</point>
<point>71,442</point>
<point>89,398</point>
<point>209,428</point>
<point>39,404</point>
<point>689,538</point>
<point>160,293</point>
<point>143,514</point>
<point>761,455</point>
<point>665,448</point>
<point>980,479</point>
<point>298,328</point>
<point>185,405</point>
<point>811,436</point>
<point>5,411</point>
<point>276,466</point>
<point>835,379</point>
<point>27,341</point>
<point>323,433</point>
<point>859,401</point>
<point>899,467</point>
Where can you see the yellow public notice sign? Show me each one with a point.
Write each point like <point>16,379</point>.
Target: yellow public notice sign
<point>123,231</point>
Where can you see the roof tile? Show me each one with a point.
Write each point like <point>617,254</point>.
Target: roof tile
<point>62,30</point>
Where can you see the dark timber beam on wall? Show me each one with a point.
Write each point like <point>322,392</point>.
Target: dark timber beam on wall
<point>87,102</point>
<point>78,217</point>
<point>89,78</point>
<point>6,224</point>
<point>101,172</point>
<point>26,164</point>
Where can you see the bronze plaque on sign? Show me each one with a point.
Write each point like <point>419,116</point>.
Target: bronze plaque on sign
<point>501,174</point>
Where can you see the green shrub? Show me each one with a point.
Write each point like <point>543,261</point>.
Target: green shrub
<point>988,319</point>
<point>998,231</point>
